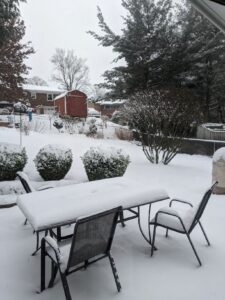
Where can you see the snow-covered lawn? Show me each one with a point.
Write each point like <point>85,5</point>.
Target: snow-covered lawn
<point>172,273</point>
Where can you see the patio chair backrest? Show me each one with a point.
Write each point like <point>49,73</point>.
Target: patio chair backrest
<point>25,182</point>
<point>93,236</point>
<point>202,206</point>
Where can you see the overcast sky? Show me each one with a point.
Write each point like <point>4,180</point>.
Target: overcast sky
<point>52,24</point>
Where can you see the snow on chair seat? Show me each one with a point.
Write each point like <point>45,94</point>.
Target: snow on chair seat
<point>169,218</point>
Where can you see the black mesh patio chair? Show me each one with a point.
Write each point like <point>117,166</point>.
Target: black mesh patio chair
<point>28,187</point>
<point>91,241</point>
<point>182,222</point>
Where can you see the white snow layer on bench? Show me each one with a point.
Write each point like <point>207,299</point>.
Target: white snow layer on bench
<point>63,204</point>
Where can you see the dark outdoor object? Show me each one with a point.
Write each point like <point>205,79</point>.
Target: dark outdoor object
<point>25,181</point>
<point>58,124</point>
<point>171,220</point>
<point>91,241</point>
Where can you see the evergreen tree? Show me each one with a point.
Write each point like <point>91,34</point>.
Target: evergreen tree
<point>170,47</point>
<point>146,45</point>
<point>201,56</point>
<point>12,51</point>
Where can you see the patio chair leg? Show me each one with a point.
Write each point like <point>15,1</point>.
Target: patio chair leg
<point>203,231</point>
<point>115,273</point>
<point>122,218</point>
<point>193,248</point>
<point>54,270</point>
<point>65,286</point>
<point>153,240</point>
<point>25,222</point>
<point>167,231</point>
<point>42,265</point>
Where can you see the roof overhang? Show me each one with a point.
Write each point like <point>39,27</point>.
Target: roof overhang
<point>214,10</point>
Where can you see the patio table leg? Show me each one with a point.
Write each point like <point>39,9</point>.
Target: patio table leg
<point>148,240</point>
<point>43,265</point>
<point>59,234</point>
<point>149,218</point>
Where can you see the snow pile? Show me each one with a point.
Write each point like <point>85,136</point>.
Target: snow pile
<point>53,162</point>
<point>218,171</point>
<point>102,163</point>
<point>13,158</point>
<point>219,154</point>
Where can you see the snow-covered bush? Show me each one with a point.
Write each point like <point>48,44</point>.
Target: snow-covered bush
<point>92,131</point>
<point>13,158</point>
<point>161,119</point>
<point>53,162</point>
<point>105,163</point>
<point>58,124</point>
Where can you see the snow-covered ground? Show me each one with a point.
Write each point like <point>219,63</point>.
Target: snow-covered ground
<point>172,273</point>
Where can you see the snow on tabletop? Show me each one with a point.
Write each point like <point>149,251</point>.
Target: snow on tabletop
<point>64,204</point>
<point>219,154</point>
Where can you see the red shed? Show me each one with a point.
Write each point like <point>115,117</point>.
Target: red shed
<point>73,103</point>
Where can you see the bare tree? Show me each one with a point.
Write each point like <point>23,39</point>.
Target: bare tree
<point>162,118</point>
<point>97,93</point>
<point>35,80</point>
<point>71,72</point>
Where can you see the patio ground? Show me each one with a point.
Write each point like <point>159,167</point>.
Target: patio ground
<point>172,273</point>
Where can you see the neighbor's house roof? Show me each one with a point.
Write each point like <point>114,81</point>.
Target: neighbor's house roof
<point>41,89</point>
<point>214,10</point>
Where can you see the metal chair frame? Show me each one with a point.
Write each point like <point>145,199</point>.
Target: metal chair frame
<point>28,190</point>
<point>195,221</point>
<point>56,265</point>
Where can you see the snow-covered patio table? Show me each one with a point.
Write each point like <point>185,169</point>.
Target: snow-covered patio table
<point>59,206</point>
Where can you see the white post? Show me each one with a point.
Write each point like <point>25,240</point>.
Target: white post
<point>65,106</point>
<point>20,128</point>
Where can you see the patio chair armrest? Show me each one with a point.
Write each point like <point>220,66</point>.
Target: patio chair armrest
<point>54,245</point>
<point>45,187</point>
<point>180,201</point>
<point>168,211</point>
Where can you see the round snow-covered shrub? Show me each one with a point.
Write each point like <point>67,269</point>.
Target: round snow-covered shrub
<point>53,162</point>
<point>58,124</point>
<point>108,163</point>
<point>13,158</point>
